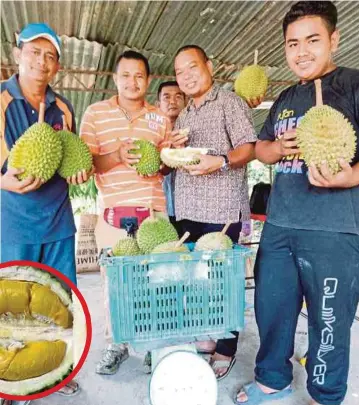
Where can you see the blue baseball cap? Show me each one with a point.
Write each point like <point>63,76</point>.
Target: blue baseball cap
<point>39,30</point>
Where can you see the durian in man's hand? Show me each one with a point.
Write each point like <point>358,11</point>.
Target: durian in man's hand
<point>38,151</point>
<point>76,154</point>
<point>150,161</point>
<point>252,81</point>
<point>324,134</point>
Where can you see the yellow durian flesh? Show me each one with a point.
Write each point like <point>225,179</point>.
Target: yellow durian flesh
<point>324,134</point>
<point>29,300</point>
<point>32,360</point>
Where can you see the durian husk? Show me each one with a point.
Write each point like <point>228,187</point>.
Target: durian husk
<point>126,247</point>
<point>251,82</point>
<point>176,158</point>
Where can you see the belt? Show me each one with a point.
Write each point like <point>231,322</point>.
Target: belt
<point>129,218</point>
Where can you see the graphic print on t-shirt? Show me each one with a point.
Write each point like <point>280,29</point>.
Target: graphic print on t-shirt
<point>294,164</point>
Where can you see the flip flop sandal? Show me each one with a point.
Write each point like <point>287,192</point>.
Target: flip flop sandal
<point>256,396</point>
<point>74,391</point>
<point>222,364</point>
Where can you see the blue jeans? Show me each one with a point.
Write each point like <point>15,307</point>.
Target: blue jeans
<point>60,255</point>
<point>323,268</point>
<point>226,347</point>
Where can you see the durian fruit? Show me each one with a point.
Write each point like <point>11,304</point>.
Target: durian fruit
<point>126,247</point>
<point>252,81</point>
<point>150,160</point>
<point>215,241</point>
<point>177,158</point>
<point>173,246</point>
<point>38,151</point>
<point>36,331</point>
<point>154,231</point>
<point>76,154</point>
<point>324,134</point>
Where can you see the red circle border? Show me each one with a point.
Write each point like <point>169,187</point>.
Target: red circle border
<point>86,350</point>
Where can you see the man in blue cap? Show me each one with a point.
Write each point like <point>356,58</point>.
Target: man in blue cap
<point>37,222</point>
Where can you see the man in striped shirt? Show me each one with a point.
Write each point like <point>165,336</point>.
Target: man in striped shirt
<point>109,128</point>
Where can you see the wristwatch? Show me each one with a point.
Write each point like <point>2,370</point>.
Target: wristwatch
<point>225,165</point>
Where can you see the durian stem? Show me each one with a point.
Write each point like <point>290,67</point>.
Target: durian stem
<point>256,57</point>
<point>152,212</point>
<point>181,241</point>
<point>64,123</point>
<point>318,92</point>
<point>41,113</point>
<point>225,229</point>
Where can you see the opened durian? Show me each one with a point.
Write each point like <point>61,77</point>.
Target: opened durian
<point>150,160</point>
<point>324,134</point>
<point>37,329</point>
<point>252,81</point>
<point>176,158</point>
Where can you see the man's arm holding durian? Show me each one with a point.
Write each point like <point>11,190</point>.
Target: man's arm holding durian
<point>270,152</point>
<point>10,182</point>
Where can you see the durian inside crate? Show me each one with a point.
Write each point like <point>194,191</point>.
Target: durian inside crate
<point>159,300</point>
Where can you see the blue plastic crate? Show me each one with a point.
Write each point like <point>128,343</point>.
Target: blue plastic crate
<point>162,299</point>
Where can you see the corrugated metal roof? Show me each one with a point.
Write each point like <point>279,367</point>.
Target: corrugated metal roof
<point>94,33</point>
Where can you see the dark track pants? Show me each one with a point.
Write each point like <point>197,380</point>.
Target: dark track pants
<point>323,267</point>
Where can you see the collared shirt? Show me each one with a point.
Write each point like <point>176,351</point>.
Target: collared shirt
<point>221,123</point>
<point>104,125</point>
<point>43,215</point>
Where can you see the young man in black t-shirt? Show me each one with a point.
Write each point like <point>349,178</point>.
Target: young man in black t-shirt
<point>310,243</point>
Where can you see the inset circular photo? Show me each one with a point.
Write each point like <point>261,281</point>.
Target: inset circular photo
<point>45,330</point>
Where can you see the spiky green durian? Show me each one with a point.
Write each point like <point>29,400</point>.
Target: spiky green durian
<point>38,151</point>
<point>126,247</point>
<point>154,231</point>
<point>176,158</point>
<point>150,160</point>
<point>324,134</point>
<point>36,331</point>
<point>76,155</point>
<point>168,247</point>
<point>251,82</point>
<point>214,241</point>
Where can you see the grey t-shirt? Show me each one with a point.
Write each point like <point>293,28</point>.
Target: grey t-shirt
<point>294,202</point>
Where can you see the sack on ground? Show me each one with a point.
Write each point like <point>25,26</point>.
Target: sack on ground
<point>86,251</point>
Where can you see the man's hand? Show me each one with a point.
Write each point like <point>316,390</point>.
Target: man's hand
<point>80,177</point>
<point>254,102</point>
<point>10,182</point>
<point>179,138</point>
<point>207,165</point>
<point>128,159</point>
<point>323,177</point>
<point>288,144</point>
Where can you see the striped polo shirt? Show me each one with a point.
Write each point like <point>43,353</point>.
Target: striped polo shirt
<point>44,215</point>
<point>105,124</point>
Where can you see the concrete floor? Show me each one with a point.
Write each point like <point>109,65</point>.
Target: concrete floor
<point>130,386</point>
